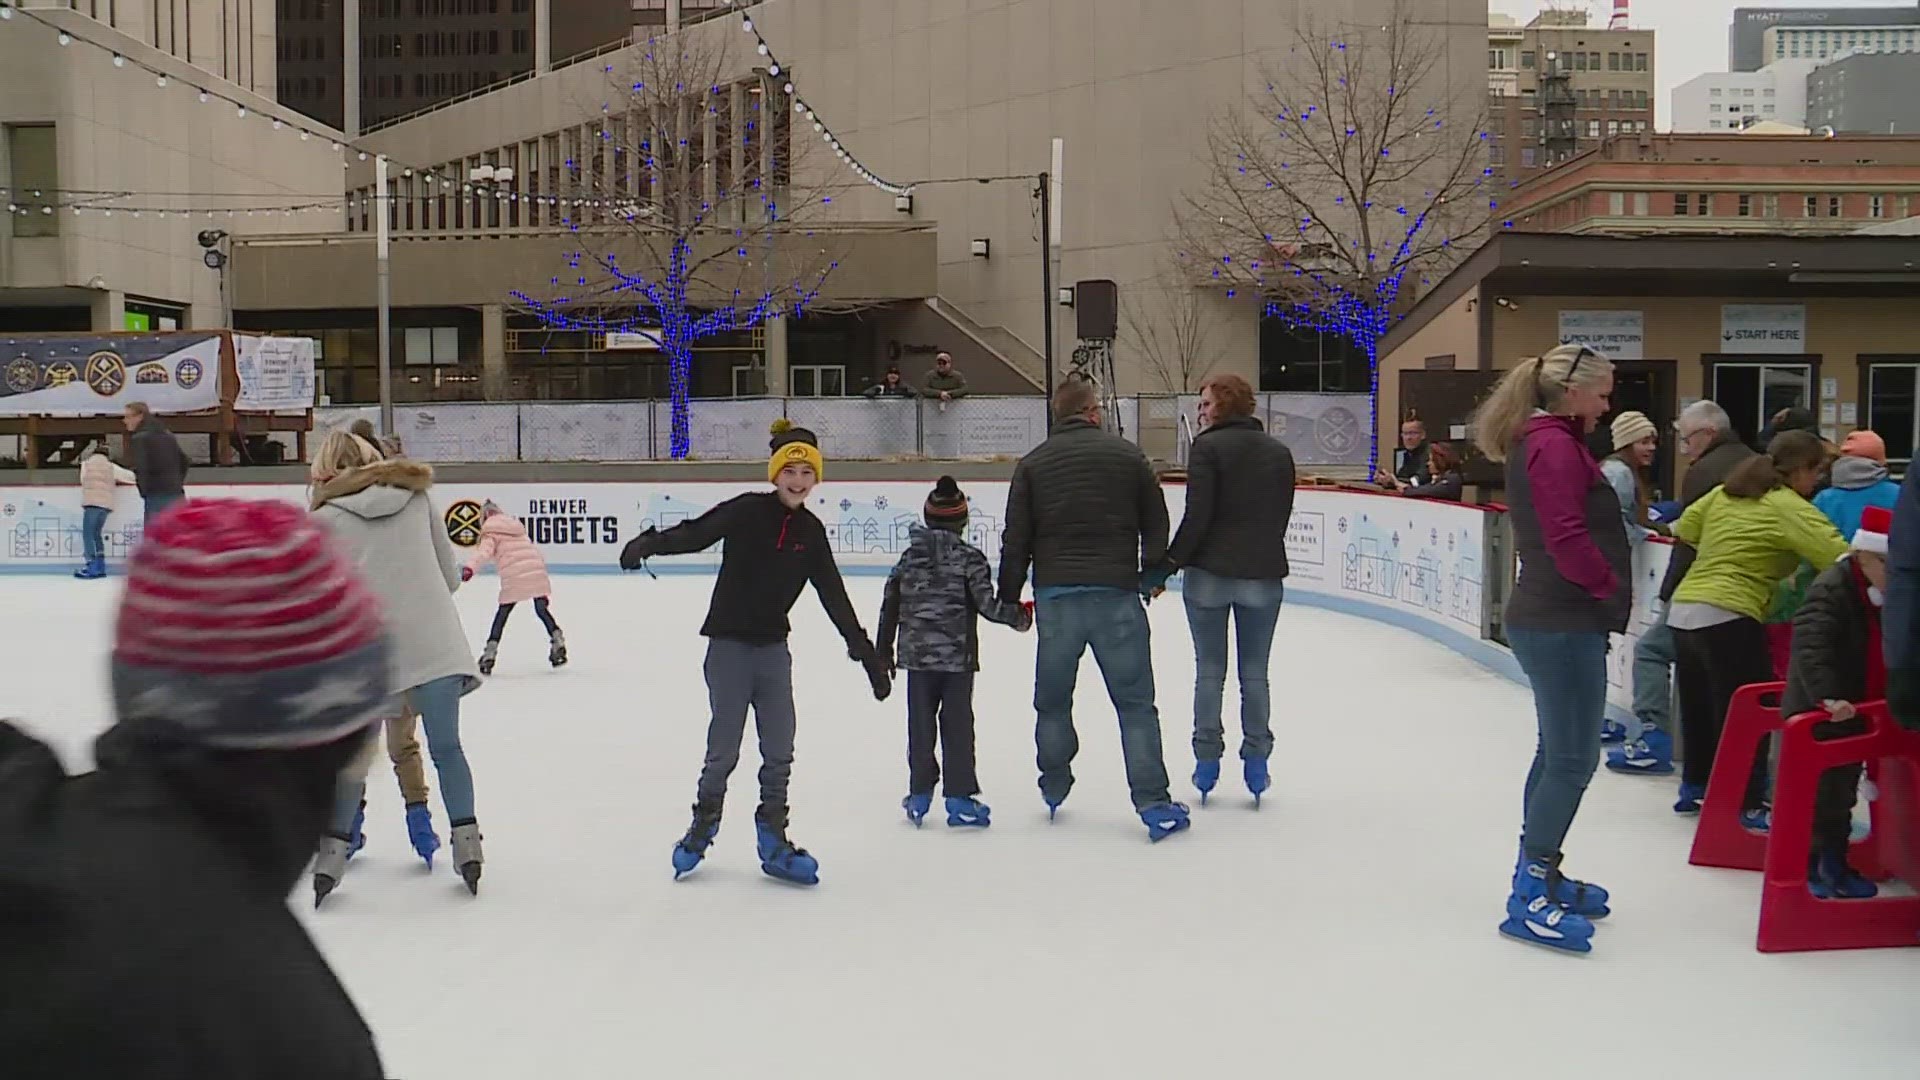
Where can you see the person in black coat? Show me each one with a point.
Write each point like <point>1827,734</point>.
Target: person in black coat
<point>1232,549</point>
<point>1085,511</point>
<point>159,465</point>
<point>144,927</point>
<point>1836,663</point>
<point>1444,481</point>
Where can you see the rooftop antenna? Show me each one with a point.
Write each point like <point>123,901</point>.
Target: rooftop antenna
<point>1619,20</point>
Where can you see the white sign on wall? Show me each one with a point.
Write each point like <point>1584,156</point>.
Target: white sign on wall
<point>1763,328</point>
<point>275,372</point>
<point>1619,334</point>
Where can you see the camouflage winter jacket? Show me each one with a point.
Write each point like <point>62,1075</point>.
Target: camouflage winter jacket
<point>940,583</point>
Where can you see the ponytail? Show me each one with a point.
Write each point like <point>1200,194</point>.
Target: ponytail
<point>1788,453</point>
<point>1536,383</point>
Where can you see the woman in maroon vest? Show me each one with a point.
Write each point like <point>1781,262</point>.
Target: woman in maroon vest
<point>1574,588</point>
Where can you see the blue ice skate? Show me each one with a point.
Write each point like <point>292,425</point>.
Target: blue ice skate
<point>1690,796</point>
<point>1206,774</point>
<point>693,847</point>
<point>916,805</point>
<point>967,813</point>
<point>1649,755</point>
<point>420,832</point>
<point>1759,819</point>
<point>1255,770</point>
<point>779,858</point>
<point>1580,897</point>
<point>356,839</point>
<point>95,568</point>
<point>1164,819</point>
<point>1534,917</point>
<point>1829,877</point>
<point>1612,731</point>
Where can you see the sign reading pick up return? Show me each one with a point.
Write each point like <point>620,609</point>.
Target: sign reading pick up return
<point>1619,334</point>
<point>1763,328</point>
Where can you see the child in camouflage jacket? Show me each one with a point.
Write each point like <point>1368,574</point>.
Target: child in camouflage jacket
<point>933,595</point>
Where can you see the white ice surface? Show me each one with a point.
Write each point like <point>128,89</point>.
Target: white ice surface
<point>1345,930</point>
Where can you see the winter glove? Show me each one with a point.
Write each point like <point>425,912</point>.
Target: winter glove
<point>879,673</point>
<point>1023,622</point>
<point>640,549</point>
<point>1154,581</point>
<point>466,573</point>
<point>886,659</point>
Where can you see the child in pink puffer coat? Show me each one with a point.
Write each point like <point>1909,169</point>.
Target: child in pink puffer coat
<point>523,576</point>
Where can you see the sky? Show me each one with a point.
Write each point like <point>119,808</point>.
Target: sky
<point>1691,35</point>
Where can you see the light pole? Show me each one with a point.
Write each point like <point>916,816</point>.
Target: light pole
<point>1044,192</point>
<point>384,316</point>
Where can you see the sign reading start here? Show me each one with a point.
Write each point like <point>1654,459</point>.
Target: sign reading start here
<point>1763,328</point>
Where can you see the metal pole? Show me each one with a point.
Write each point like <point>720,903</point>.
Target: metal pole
<point>1046,277</point>
<point>384,318</point>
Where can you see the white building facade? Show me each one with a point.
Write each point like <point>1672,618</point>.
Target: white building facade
<point>1734,100</point>
<point>1822,43</point>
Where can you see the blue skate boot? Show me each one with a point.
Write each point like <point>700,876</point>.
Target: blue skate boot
<point>1612,732</point>
<point>967,813</point>
<point>693,847</point>
<point>1206,774</point>
<point>1164,819</point>
<point>420,832</point>
<point>779,858</point>
<point>95,568</point>
<point>1534,917</point>
<point>1649,755</point>
<point>1690,796</point>
<point>357,839</point>
<point>1830,878</point>
<point>1580,897</point>
<point>1759,819</point>
<point>1258,781</point>
<point>916,804</point>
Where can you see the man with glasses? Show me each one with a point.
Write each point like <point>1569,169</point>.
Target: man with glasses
<point>1708,442</point>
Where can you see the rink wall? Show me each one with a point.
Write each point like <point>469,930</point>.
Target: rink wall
<point>1438,569</point>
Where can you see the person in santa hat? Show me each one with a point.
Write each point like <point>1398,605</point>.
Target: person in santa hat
<point>1836,663</point>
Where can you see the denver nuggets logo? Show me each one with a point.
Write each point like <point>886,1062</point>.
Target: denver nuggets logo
<point>463,523</point>
<point>106,373</point>
<point>148,374</point>
<point>23,375</point>
<point>61,373</point>
<point>188,373</point>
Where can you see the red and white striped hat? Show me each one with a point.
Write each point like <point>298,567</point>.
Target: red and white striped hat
<point>243,627</point>
<point>1876,523</point>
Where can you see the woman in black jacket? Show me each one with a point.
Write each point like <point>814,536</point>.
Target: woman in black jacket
<point>1444,480</point>
<point>1232,545</point>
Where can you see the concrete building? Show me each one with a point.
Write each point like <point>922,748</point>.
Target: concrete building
<point>1608,72</point>
<point>1830,42</point>
<point>1867,93</point>
<point>1734,100</point>
<point>1725,184</point>
<point>946,97</point>
<point>121,136</point>
<point>1749,50</point>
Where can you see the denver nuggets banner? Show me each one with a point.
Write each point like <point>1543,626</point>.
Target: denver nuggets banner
<point>78,375</point>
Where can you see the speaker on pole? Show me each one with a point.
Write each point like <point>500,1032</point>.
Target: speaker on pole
<point>1096,307</point>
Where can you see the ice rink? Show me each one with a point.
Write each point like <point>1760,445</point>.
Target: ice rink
<point>1344,930</point>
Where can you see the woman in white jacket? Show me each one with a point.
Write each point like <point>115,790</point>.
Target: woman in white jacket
<point>379,511</point>
<point>99,480</point>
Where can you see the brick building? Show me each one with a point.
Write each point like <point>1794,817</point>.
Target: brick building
<point>1725,184</point>
<point>1557,86</point>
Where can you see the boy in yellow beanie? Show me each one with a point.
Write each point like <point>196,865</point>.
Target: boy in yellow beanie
<point>773,546</point>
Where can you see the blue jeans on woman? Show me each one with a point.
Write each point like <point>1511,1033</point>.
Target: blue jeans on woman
<point>438,704</point>
<point>93,532</point>
<point>1254,604</point>
<point>1568,671</point>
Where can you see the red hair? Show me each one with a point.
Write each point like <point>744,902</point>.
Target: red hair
<point>1231,394</point>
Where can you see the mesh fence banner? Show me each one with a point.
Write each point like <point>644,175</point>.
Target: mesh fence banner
<point>983,427</point>
<point>721,429</point>
<point>586,431</point>
<point>859,428</point>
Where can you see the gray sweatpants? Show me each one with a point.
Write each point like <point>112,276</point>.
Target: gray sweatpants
<point>741,675</point>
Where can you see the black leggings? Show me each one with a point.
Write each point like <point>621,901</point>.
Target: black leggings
<point>1709,666</point>
<point>539,608</point>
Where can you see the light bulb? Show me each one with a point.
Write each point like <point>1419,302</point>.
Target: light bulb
<point>160,80</point>
<point>66,38</point>
<point>747,25</point>
<point>336,146</point>
<point>203,97</point>
<point>762,49</point>
<point>240,110</point>
<point>303,136</point>
<point>119,61</point>
<point>276,123</point>
<point>774,70</point>
<point>6,11</point>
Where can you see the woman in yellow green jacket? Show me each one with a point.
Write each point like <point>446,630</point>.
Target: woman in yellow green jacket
<point>1749,533</point>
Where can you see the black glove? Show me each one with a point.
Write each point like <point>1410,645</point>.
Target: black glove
<point>886,660</point>
<point>879,675</point>
<point>640,549</point>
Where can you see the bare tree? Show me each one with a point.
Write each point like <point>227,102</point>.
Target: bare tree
<point>1351,171</point>
<point>693,206</point>
<point>1171,331</point>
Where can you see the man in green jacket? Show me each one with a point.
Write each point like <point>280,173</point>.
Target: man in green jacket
<point>943,382</point>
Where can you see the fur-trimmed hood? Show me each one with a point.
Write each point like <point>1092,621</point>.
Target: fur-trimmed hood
<point>377,490</point>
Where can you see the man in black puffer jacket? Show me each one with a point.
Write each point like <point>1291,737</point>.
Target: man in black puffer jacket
<point>1085,511</point>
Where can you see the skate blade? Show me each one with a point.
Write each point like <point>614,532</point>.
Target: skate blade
<point>322,887</point>
<point>968,823</point>
<point>1157,835</point>
<point>470,873</point>
<point>1571,946</point>
<point>791,879</point>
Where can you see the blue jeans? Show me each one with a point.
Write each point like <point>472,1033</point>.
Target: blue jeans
<point>93,526</point>
<point>157,503</point>
<point>1568,671</point>
<point>1114,624</point>
<point>438,704</point>
<point>1254,604</point>
<point>1653,657</point>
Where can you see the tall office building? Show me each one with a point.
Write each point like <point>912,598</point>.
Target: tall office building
<point>1747,47</point>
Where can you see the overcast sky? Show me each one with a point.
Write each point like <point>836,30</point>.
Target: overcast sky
<point>1691,34</point>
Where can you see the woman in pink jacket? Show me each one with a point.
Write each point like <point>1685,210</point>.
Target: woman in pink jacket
<point>523,576</point>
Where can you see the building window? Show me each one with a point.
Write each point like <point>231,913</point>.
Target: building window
<point>1528,157</point>
<point>1703,204</point>
<point>1617,203</point>
<point>1716,108</point>
<point>1526,60</point>
<point>432,345</point>
<point>1813,206</point>
<point>1746,206</point>
<point>1833,206</point>
<point>1593,61</point>
<point>1593,129</point>
<point>1639,61</point>
<point>818,380</point>
<point>1715,92</point>
<point>1680,205</point>
<point>1891,407</point>
<point>1752,393</point>
<point>1877,206</point>
<point>1770,206</point>
<point>34,165</point>
<point>1716,125</point>
<point>1613,61</point>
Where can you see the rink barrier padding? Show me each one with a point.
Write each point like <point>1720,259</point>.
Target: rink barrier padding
<point>1792,919</point>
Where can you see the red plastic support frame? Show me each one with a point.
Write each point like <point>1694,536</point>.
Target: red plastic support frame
<point>1792,919</point>
<point>1720,839</point>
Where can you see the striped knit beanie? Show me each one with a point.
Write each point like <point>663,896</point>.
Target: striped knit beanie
<point>243,628</point>
<point>946,508</point>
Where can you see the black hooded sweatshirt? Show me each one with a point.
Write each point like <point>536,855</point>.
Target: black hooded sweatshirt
<point>144,927</point>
